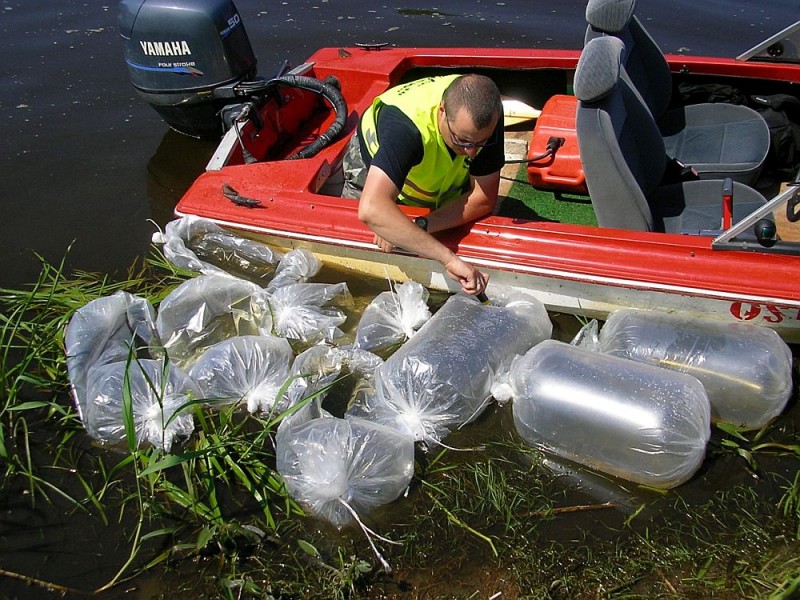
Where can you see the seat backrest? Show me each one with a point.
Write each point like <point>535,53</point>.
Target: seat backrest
<point>621,148</point>
<point>643,60</point>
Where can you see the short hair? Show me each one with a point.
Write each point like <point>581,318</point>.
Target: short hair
<point>478,94</point>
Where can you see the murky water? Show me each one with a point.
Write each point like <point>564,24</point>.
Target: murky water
<point>88,166</point>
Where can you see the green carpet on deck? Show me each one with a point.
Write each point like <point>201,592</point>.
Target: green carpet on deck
<point>526,202</point>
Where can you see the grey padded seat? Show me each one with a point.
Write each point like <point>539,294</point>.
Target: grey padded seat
<point>717,139</point>
<point>624,160</point>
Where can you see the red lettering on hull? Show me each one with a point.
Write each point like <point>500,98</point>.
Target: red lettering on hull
<point>769,314</point>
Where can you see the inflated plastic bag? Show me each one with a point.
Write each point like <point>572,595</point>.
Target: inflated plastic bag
<point>342,468</point>
<point>107,330</point>
<point>247,368</point>
<point>297,266</point>
<point>209,309</point>
<point>362,362</point>
<point>313,370</point>
<point>629,419</point>
<point>201,245</point>
<point>393,317</point>
<point>301,311</point>
<point>318,367</point>
<point>441,378</point>
<point>159,393</point>
<point>746,370</point>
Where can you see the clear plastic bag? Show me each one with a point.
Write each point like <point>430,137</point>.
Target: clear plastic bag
<point>588,337</point>
<point>392,318</point>
<point>159,393</point>
<point>201,245</point>
<point>318,368</point>
<point>297,266</point>
<point>441,378</point>
<point>209,309</point>
<point>746,370</point>
<point>249,368</point>
<point>107,330</point>
<point>362,362</point>
<point>300,311</point>
<point>628,419</point>
<point>342,468</point>
<point>313,370</point>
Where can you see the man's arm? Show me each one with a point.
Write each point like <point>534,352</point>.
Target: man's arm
<point>377,208</point>
<point>479,201</point>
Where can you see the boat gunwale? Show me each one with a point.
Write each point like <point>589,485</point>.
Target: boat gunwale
<point>562,250</point>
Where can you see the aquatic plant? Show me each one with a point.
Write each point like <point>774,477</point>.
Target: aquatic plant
<point>212,518</point>
<point>32,365</point>
<point>231,450</point>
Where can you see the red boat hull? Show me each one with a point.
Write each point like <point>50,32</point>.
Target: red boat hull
<point>577,269</point>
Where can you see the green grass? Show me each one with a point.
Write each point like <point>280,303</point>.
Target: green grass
<point>526,202</point>
<point>212,519</point>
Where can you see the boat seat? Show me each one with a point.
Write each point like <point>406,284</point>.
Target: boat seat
<point>562,171</point>
<point>624,157</point>
<point>716,139</point>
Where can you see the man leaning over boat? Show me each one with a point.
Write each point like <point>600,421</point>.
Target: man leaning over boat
<point>436,143</point>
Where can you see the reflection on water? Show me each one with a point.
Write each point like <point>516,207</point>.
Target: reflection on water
<point>176,163</point>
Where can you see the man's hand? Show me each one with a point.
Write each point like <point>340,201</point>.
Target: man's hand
<point>383,244</point>
<point>472,281</point>
<point>392,228</point>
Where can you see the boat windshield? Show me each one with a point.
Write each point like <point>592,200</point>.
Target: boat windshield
<point>775,227</point>
<point>782,47</point>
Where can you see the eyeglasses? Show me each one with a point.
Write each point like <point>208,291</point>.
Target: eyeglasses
<point>461,143</point>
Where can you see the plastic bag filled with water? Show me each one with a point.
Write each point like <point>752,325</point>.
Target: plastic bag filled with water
<point>251,369</point>
<point>441,378</point>
<point>159,393</point>
<point>297,266</point>
<point>307,312</point>
<point>341,469</point>
<point>628,419</point>
<point>208,309</point>
<point>746,370</point>
<point>107,330</point>
<point>200,245</point>
<point>316,369</point>
<point>392,318</point>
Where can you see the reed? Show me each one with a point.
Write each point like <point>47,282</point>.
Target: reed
<point>232,450</point>
<point>790,502</point>
<point>213,518</point>
<point>221,487</point>
<point>32,359</point>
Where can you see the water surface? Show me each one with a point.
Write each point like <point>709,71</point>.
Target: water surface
<point>88,166</point>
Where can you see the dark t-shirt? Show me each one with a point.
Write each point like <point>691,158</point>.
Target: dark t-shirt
<point>405,150</point>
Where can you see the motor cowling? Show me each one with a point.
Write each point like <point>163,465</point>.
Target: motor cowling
<point>182,54</point>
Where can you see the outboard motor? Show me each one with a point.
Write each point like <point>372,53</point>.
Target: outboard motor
<point>184,57</point>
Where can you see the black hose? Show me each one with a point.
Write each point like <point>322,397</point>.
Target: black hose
<point>332,94</point>
<point>532,159</point>
<point>328,91</point>
<point>553,144</point>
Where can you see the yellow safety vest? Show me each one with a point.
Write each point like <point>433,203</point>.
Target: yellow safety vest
<point>439,177</point>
